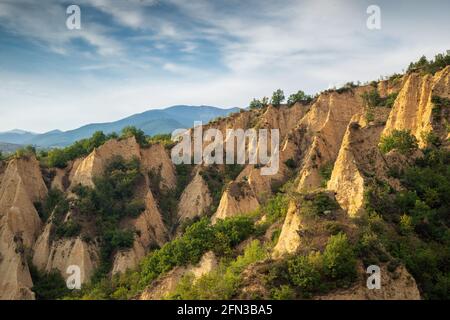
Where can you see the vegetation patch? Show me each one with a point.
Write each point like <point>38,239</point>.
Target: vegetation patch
<point>199,238</point>
<point>430,66</point>
<point>401,140</point>
<point>316,272</point>
<point>325,172</point>
<point>108,203</point>
<point>414,223</point>
<point>47,286</point>
<point>222,283</point>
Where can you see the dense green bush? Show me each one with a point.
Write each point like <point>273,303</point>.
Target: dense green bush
<point>420,215</point>
<point>276,208</point>
<point>59,157</point>
<point>277,98</point>
<point>67,229</point>
<point>305,272</point>
<point>47,286</point>
<point>423,65</point>
<point>55,198</point>
<point>164,139</point>
<point>300,97</point>
<point>111,200</point>
<point>439,103</point>
<point>320,272</point>
<point>373,99</point>
<point>198,238</point>
<point>25,152</point>
<point>390,100</point>
<point>325,172</point>
<point>401,140</point>
<point>284,292</point>
<point>290,163</point>
<point>255,104</point>
<point>138,134</point>
<point>318,204</point>
<point>223,282</point>
<point>339,260</point>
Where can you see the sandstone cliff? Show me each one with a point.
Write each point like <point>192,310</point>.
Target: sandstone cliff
<point>21,186</point>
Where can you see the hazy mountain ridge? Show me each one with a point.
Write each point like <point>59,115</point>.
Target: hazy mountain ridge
<point>151,122</point>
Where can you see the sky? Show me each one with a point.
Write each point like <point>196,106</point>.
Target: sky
<point>134,55</point>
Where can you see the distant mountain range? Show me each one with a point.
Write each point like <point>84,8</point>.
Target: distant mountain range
<point>9,147</point>
<point>151,122</point>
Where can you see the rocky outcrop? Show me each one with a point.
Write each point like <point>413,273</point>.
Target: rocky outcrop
<point>168,282</point>
<point>157,158</point>
<point>358,160</point>
<point>149,226</point>
<point>397,285</point>
<point>60,254</point>
<point>413,109</point>
<point>151,232</point>
<point>195,200</point>
<point>95,163</point>
<point>325,124</point>
<point>21,186</point>
<point>15,279</point>
<point>289,239</point>
<point>59,181</point>
<point>237,199</point>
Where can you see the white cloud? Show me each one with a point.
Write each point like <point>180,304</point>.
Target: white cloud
<point>260,45</point>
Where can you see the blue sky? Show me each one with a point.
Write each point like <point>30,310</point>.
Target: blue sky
<point>135,55</point>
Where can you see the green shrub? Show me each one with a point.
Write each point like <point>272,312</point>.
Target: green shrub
<point>317,272</point>
<point>59,157</point>
<point>421,213</point>
<point>401,140</point>
<point>138,134</point>
<point>223,282</point>
<point>163,139</point>
<point>318,204</point>
<point>108,203</point>
<point>423,65</point>
<point>276,208</point>
<point>53,199</point>
<point>390,100</point>
<point>67,229</point>
<point>255,104</point>
<point>284,292</point>
<point>290,163</point>
<point>198,238</point>
<point>305,272</point>
<point>277,98</point>
<point>25,152</point>
<point>439,103</point>
<point>300,97</point>
<point>339,259</point>
<point>372,98</point>
<point>406,224</point>
<point>325,172</point>
<point>47,286</point>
